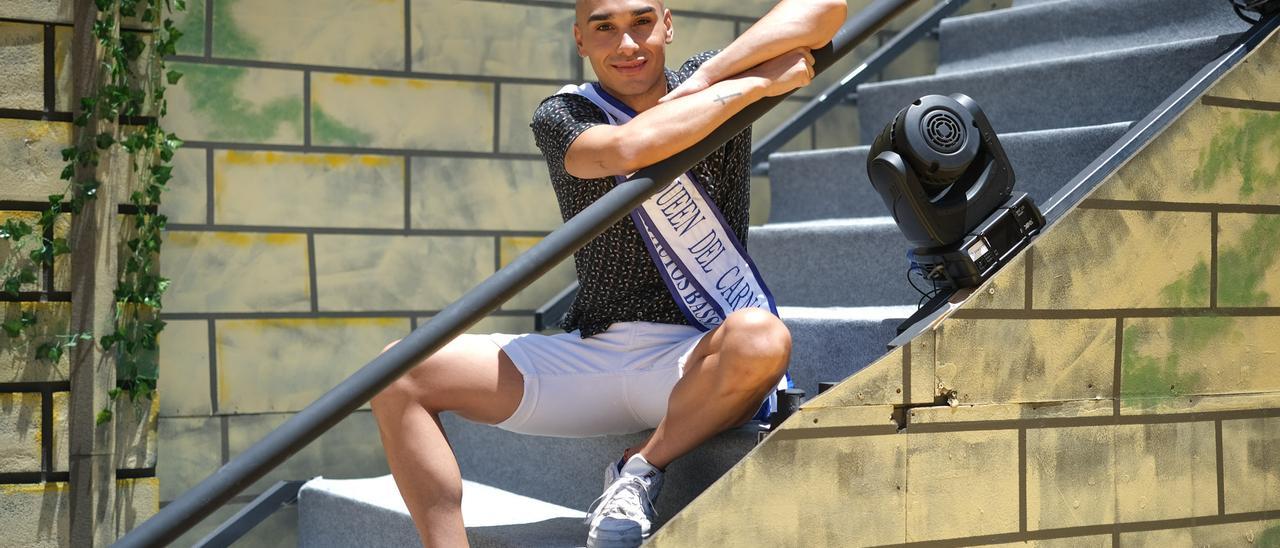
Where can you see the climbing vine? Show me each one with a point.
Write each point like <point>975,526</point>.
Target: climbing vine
<point>131,90</point>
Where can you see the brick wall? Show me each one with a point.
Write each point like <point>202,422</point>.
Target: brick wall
<point>1117,384</point>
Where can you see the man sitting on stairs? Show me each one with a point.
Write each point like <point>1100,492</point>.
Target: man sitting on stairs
<point>672,328</point>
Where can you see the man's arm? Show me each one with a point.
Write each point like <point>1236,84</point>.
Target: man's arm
<point>789,25</point>
<point>660,132</point>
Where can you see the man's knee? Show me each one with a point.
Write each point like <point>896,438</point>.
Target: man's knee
<point>760,342</point>
<point>402,391</point>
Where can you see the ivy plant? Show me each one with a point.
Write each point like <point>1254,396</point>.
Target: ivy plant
<point>130,96</point>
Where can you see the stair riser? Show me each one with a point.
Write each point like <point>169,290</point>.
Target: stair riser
<point>834,266</point>
<point>1081,92</point>
<point>1059,29</point>
<point>833,183</point>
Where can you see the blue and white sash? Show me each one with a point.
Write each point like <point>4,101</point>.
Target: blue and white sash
<point>705,267</point>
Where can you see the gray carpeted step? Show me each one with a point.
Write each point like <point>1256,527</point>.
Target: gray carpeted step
<point>370,513</point>
<point>832,183</point>
<point>1075,91</point>
<point>1051,30</point>
<point>570,471</point>
<point>834,262</point>
<point>827,345</point>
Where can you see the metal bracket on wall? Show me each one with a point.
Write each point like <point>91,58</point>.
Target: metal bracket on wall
<point>282,494</point>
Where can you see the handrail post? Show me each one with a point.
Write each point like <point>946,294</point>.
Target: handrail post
<point>308,424</point>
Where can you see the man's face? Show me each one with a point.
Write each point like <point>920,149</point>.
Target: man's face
<point>625,41</point>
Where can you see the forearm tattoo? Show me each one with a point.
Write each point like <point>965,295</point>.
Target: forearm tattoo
<point>723,99</point>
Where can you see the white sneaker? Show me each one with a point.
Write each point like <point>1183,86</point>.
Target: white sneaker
<point>624,514</point>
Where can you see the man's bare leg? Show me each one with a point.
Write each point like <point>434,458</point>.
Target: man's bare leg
<point>729,373</point>
<point>469,376</point>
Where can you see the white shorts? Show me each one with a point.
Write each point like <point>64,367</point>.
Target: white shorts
<point>616,382</point>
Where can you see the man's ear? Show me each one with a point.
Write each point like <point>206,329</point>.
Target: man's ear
<point>577,40</point>
<point>666,20</point>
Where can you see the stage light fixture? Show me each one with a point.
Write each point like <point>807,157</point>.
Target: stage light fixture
<point>948,184</point>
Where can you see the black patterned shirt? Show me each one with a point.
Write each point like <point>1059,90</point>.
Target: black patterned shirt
<point>618,281</point>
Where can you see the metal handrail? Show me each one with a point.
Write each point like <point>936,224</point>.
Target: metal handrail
<point>842,91</point>
<point>321,415</point>
<point>1146,129</point>
<point>835,94</point>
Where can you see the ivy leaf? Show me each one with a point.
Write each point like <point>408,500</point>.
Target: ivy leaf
<point>104,140</point>
<point>45,253</point>
<point>12,327</point>
<point>14,229</point>
<point>68,172</point>
<point>109,340</point>
<point>172,77</point>
<point>11,286</point>
<point>61,247</point>
<point>161,173</point>
<point>49,351</point>
<point>104,416</point>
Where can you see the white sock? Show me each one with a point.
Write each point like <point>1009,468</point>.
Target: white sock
<point>638,467</point>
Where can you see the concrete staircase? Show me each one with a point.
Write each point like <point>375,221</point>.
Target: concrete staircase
<point>1060,80</point>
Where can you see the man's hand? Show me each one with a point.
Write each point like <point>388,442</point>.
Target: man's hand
<point>786,72</point>
<point>783,70</point>
<point>696,82</point>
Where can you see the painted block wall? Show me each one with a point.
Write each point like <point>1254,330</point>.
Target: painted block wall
<point>350,168</point>
<point>1116,384</point>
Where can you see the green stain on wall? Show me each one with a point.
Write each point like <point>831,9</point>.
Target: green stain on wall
<point>231,41</point>
<point>328,131</point>
<point>228,39</point>
<point>1192,290</point>
<point>192,27</point>
<point>1148,379</point>
<point>1269,538</point>
<point>213,92</point>
<point>1251,147</point>
<point>1241,269</point>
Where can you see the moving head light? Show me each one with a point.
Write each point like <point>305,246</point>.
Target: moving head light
<point>946,180</point>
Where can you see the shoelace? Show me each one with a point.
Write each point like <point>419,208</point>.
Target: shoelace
<point>617,501</point>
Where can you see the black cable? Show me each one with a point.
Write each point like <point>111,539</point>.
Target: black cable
<point>912,281</point>
<point>1240,8</point>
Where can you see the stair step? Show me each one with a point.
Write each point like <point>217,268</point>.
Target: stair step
<point>1049,30</point>
<point>370,513</point>
<point>832,183</point>
<point>1095,89</point>
<point>830,343</point>
<point>569,472</point>
<point>833,262</point>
